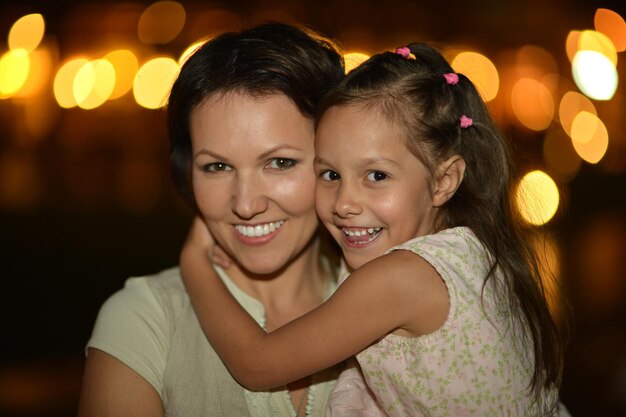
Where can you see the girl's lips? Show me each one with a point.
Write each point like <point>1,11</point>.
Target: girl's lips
<point>258,234</point>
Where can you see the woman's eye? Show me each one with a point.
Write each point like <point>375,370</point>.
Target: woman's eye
<point>377,176</point>
<point>329,175</point>
<point>281,163</point>
<point>216,167</point>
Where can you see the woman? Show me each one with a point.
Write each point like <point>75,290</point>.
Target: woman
<point>241,125</point>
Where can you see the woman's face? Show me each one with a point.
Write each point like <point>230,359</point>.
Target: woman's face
<point>253,177</point>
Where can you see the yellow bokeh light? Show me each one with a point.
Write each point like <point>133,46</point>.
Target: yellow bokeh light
<point>64,82</point>
<point>354,59</point>
<point>189,51</point>
<point>589,137</point>
<point>595,75</point>
<point>14,68</point>
<point>154,81</point>
<point>125,64</point>
<point>571,104</point>
<point>590,40</point>
<point>94,83</point>
<point>560,156</point>
<point>532,104</point>
<point>161,22</point>
<point>39,73</point>
<point>27,32</point>
<point>571,44</point>
<point>584,127</point>
<point>537,197</point>
<point>481,71</point>
<point>612,25</point>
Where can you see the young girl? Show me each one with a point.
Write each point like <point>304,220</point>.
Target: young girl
<point>444,307</point>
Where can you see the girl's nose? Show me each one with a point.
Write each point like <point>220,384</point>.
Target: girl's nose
<point>346,203</point>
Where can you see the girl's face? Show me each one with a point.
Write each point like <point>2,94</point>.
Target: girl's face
<point>253,177</point>
<point>371,192</point>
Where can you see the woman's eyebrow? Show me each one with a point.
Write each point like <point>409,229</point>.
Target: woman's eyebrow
<point>278,148</point>
<point>211,154</point>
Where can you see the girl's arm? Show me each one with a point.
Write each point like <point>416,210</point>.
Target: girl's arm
<point>386,294</point>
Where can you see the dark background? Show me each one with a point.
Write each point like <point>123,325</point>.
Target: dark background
<point>90,203</point>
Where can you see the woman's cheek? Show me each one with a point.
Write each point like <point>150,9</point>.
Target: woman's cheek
<point>297,192</point>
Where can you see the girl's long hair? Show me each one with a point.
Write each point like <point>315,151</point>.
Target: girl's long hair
<point>413,93</point>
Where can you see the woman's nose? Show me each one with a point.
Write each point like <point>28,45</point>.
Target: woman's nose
<point>347,203</point>
<point>249,196</point>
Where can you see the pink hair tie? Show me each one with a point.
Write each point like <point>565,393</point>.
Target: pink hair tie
<point>405,52</point>
<point>451,78</point>
<point>466,122</point>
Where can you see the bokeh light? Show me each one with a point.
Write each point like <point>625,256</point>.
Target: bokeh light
<point>613,26</point>
<point>532,104</point>
<point>125,64</point>
<point>589,137</point>
<point>161,22</point>
<point>64,82</point>
<point>94,83</point>
<point>537,197</point>
<point>154,81</point>
<point>595,75</point>
<point>571,104</point>
<point>481,71</point>
<point>571,44</point>
<point>14,68</point>
<point>40,69</point>
<point>590,40</point>
<point>27,32</point>
<point>354,59</point>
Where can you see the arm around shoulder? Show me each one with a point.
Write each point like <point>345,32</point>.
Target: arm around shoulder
<point>111,388</point>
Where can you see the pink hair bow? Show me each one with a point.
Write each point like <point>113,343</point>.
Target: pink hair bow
<point>466,122</point>
<point>451,78</point>
<point>405,52</point>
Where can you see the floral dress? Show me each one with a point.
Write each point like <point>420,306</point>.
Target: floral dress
<point>479,363</point>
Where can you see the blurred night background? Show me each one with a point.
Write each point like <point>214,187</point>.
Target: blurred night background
<point>85,193</point>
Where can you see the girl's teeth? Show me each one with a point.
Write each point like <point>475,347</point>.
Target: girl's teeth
<point>260,229</point>
<point>358,233</point>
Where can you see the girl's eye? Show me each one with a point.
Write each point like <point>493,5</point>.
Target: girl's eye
<point>377,176</point>
<point>216,167</point>
<point>329,175</point>
<point>281,163</point>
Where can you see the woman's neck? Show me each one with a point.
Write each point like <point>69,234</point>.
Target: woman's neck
<point>289,292</point>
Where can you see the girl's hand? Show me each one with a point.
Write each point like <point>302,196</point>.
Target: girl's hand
<point>199,239</point>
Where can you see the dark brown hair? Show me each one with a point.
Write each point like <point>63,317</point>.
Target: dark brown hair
<point>273,58</point>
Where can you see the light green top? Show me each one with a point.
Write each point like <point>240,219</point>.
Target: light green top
<point>151,327</point>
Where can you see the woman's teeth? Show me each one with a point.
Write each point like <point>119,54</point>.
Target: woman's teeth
<point>259,229</point>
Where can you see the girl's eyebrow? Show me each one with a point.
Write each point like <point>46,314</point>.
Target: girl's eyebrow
<point>379,159</point>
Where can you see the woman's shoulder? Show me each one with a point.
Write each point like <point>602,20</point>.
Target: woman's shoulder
<point>136,323</point>
<point>160,291</point>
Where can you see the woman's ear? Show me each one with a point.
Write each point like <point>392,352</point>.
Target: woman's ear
<point>449,176</point>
